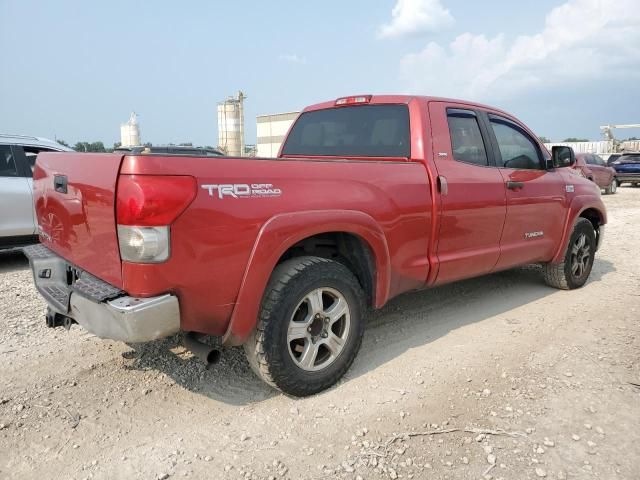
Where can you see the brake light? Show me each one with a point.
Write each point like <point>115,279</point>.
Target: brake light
<point>353,100</point>
<point>149,200</point>
<point>145,207</point>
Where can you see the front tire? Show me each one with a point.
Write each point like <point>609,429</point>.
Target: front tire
<point>576,265</point>
<point>310,326</point>
<point>612,188</point>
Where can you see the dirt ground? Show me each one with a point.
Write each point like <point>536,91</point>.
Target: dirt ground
<point>496,377</point>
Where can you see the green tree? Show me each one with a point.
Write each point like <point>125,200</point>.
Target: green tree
<point>544,139</point>
<point>63,143</point>
<point>89,147</point>
<point>574,139</point>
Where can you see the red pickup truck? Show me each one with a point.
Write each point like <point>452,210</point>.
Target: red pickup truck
<point>370,197</point>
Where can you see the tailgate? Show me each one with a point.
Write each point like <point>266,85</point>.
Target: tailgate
<point>74,195</point>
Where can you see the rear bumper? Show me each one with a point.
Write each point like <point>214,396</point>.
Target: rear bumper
<point>100,308</point>
<point>627,177</point>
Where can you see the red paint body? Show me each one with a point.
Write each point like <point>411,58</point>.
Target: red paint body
<point>224,250</point>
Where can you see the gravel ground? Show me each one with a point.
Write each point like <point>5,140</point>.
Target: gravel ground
<point>497,377</point>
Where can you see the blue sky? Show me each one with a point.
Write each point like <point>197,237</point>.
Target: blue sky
<point>76,69</point>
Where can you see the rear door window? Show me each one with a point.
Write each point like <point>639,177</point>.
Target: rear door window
<point>30,155</point>
<point>466,140</point>
<point>357,131</point>
<point>8,166</point>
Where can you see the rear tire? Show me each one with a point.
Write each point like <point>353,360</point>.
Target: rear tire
<point>310,326</point>
<point>576,265</point>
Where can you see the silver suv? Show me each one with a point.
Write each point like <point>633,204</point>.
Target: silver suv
<point>17,159</point>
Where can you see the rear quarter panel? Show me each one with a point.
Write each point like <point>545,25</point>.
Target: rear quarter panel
<point>213,239</point>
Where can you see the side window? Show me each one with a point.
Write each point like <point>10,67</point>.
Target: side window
<point>516,149</point>
<point>7,162</point>
<point>30,155</point>
<point>589,160</point>
<point>466,140</point>
<point>598,160</point>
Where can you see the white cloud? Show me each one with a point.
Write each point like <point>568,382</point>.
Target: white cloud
<point>582,40</point>
<point>292,58</point>
<point>416,16</point>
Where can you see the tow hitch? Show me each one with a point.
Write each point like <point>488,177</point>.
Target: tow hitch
<point>55,319</point>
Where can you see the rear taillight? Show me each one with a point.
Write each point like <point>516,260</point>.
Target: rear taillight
<point>146,206</point>
<point>353,100</point>
<point>143,244</point>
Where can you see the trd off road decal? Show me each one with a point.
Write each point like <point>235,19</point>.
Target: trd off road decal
<point>242,190</point>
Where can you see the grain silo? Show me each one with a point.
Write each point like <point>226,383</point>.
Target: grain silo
<point>231,125</point>
<point>130,132</point>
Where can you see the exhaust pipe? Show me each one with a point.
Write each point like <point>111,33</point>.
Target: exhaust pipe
<point>204,352</point>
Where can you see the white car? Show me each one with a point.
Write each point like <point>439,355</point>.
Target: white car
<point>17,159</point>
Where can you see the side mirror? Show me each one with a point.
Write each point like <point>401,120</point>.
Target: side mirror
<point>562,157</point>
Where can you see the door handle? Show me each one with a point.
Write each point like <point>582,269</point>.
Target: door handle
<point>514,185</point>
<point>443,186</point>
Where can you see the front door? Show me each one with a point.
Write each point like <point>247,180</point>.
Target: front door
<point>536,197</point>
<point>471,193</point>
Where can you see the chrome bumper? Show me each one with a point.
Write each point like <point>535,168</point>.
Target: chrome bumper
<point>100,308</point>
<point>128,319</point>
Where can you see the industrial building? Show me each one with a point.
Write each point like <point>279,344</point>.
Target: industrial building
<point>130,132</point>
<point>605,147</point>
<point>271,132</point>
<point>231,125</point>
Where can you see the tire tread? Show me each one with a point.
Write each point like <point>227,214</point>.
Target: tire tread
<point>255,347</point>
<point>555,273</point>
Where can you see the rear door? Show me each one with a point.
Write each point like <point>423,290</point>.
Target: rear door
<point>16,200</point>
<point>599,176</point>
<point>471,191</point>
<point>26,157</point>
<point>605,173</point>
<point>536,197</point>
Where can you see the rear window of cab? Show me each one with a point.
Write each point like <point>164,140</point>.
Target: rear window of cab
<point>354,131</point>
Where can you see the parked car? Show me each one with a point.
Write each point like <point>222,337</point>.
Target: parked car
<point>612,158</point>
<point>17,159</point>
<point>371,196</point>
<point>627,167</point>
<point>173,150</point>
<point>594,168</point>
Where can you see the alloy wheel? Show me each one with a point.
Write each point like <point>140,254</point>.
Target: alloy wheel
<point>580,256</point>
<point>318,329</point>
